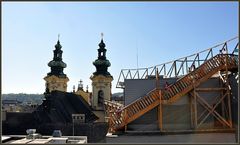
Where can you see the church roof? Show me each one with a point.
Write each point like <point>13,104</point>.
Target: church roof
<point>59,107</point>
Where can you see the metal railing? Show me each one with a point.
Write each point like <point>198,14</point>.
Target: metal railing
<point>178,67</point>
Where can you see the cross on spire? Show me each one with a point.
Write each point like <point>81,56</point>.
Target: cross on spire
<point>80,85</point>
<point>58,36</point>
<point>102,35</point>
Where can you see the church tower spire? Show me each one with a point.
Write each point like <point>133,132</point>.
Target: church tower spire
<point>101,82</point>
<point>101,63</point>
<point>57,65</point>
<point>56,79</point>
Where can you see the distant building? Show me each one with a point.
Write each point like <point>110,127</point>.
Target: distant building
<point>85,94</point>
<point>11,105</point>
<point>118,97</point>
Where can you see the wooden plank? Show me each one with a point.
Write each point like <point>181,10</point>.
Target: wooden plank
<point>155,94</point>
<point>140,105</point>
<point>135,109</point>
<point>179,86</point>
<point>150,98</point>
<point>143,101</point>
<point>202,73</point>
<point>144,105</point>
<point>211,64</point>
<point>191,111</point>
<point>195,109</point>
<point>130,110</point>
<point>154,97</point>
<point>137,106</point>
<point>214,64</point>
<point>209,67</point>
<point>183,84</point>
<point>128,113</point>
<point>228,95</point>
<point>173,90</point>
<point>147,101</point>
<point>164,95</point>
<point>160,117</point>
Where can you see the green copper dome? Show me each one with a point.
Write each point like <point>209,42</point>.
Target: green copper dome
<point>54,63</point>
<point>102,63</point>
<point>57,64</point>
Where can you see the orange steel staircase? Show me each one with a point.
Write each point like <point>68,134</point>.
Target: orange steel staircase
<point>121,116</point>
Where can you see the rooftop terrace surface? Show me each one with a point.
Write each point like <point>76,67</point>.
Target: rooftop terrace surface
<point>183,138</point>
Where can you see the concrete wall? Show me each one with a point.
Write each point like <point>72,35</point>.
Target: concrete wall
<point>137,88</point>
<point>176,116</point>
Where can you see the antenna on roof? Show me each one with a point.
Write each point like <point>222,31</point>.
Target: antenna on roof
<point>137,51</point>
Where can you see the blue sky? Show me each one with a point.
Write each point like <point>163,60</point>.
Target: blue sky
<point>161,31</point>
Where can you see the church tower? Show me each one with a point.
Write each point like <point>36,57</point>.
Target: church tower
<point>56,79</point>
<point>101,79</point>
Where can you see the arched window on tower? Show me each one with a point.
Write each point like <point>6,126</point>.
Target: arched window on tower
<point>100,98</point>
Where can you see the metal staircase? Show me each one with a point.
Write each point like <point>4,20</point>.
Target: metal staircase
<point>118,119</point>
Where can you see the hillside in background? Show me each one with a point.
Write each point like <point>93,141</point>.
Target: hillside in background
<point>34,98</point>
<point>119,94</point>
<point>24,98</point>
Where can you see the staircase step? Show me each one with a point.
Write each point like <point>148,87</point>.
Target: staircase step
<point>166,96</point>
<point>174,90</point>
<point>147,101</point>
<point>131,110</point>
<point>180,86</point>
<point>170,91</point>
<point>150,98</point>
<point>144,103</point>
<point>137,109</point>
<point>154,96</point>
<point>140,105</point>
<point>177,89</point>
<point>209,67</point>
